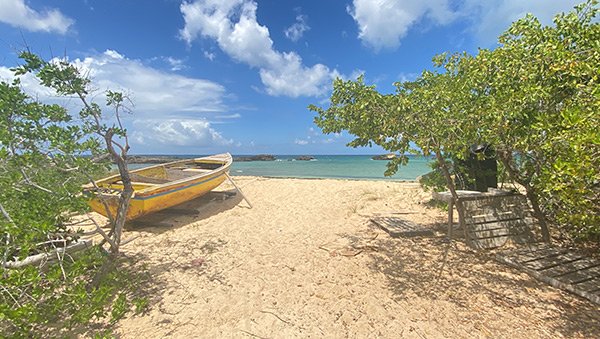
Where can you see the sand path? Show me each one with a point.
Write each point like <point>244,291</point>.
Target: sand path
<point>306,262</point>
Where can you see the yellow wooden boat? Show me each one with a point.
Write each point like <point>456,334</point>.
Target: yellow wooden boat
<point>163,186</point>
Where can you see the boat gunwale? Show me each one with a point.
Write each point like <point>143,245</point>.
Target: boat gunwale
<point>226,162</point>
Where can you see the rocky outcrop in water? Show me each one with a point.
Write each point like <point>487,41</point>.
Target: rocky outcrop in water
<point>389,156</point>
<point>259,157</point>
<point>161,159</point>
<point>151,159</point>
<point>305,158</point>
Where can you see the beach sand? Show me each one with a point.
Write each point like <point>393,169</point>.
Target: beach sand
<point>306,261</point>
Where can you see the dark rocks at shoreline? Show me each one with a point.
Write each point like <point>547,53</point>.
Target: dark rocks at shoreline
<point>259,157</point>
<point>305,158</point>
<point>151,159</point>
<point>388,156</point>
<point>161,159</point>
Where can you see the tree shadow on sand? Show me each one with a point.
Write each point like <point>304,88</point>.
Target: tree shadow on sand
<point>135,283</point>
<point>163,284</point>
<point>435,269</point>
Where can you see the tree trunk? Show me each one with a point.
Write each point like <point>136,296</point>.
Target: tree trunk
<point>120,218</point>
<point>537,211</point>
<point>531,194</point>
<point>122,214</point>
<point>451,187</point>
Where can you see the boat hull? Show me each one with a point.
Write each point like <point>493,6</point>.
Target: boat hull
<point>152,198</point>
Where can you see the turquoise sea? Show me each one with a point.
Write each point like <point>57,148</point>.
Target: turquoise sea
<point>327,166</point>
<point>331,166</point>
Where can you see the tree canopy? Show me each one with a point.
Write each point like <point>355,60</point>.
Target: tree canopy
<point>535,98</point>
<point>46,155</point>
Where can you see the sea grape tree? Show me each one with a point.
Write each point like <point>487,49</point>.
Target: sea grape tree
<point>544,99</point>
<point>46,154</point>
<point>42,168</point>
<point>66,80</point>
<point>535,98</point>
<point>428,115</point>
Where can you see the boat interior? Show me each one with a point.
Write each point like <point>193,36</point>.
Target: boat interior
<point>162,174</point>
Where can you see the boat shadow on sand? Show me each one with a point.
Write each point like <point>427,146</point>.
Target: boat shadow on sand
<point>204,207</point>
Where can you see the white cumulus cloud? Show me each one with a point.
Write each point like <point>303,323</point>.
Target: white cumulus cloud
<point>234,26</point>
<point>296,31</point>
<point>491,18</point>
<point>16,13</point>
<point>176,64</point>
<point>178,132</point>
<point>210,56</point>
<point>383,23</point>
<point>170,109</point>
<point>154,92</point>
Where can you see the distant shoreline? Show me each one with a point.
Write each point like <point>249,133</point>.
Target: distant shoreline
<point>352,167</point>
<point>161,159</point>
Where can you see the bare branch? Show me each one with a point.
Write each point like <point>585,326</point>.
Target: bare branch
<point>10,294</point>
<point>31,183</point>
<point>101,157</point>
<point>60,259</point>
<point>122,148</point>
<point>103,234</point>
<point>7,241</point>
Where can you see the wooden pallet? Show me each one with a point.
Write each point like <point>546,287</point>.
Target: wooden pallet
<point>559,267</point>
<point>490,221</point>
<point>398,227</point>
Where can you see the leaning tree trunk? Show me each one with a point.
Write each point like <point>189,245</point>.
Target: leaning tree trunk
<point>126,194</point>
<point>537,211</point>
<point>531,194</point>
<point>444,167</point>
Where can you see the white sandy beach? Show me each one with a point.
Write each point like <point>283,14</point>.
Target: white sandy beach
<point>306,261</point>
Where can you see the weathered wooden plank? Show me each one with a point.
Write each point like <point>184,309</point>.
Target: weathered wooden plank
<point>487,243</point>
<point>526,237</point>
<point>531,253</point>
<point>491,220</point>
<point>482,216</point>
<point>577,265</point>
<point>551,261</point>
<point>513,226</point>
<point>497,202</point>
<point>590,286</point>
<point>588,289</point>
<point>479,217</point>
<point>490,233</point>
<point>579,276</point>
<point>398,227</point>
<point>478,196</point>
<point>502,238</point>
<point>145,179</point>
<point>502,230</point>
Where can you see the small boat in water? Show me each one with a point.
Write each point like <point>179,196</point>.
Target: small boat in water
<point>162,186</point>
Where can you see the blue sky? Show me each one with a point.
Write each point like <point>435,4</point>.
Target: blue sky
<point>212,76</point>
